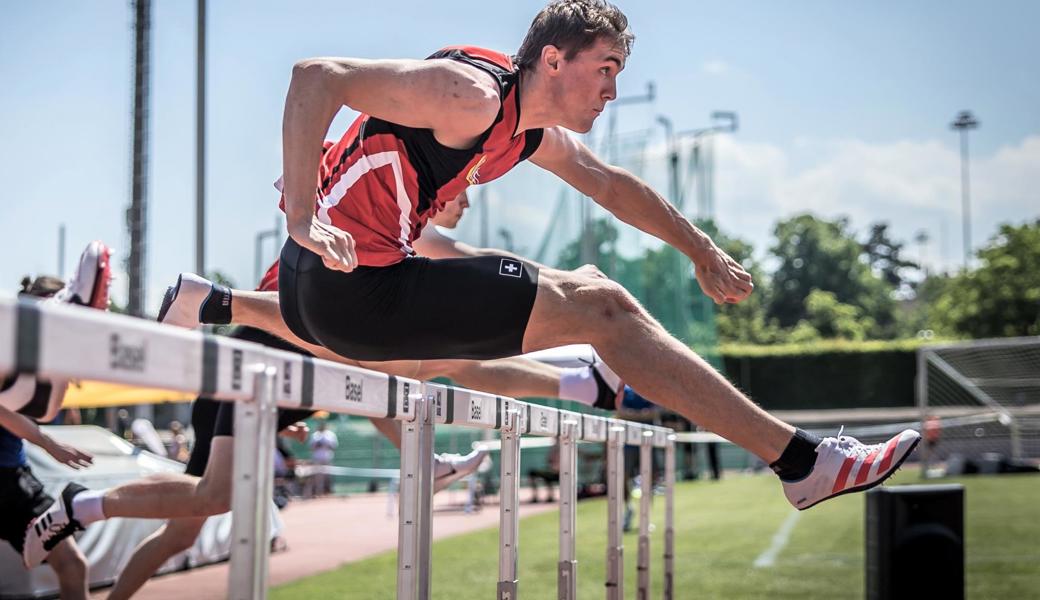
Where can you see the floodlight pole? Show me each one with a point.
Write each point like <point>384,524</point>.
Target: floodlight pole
<point>200,140</point>
<point>964,122</point>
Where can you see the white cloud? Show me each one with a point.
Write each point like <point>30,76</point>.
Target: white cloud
<point>912,184</point>
<point>715,67</point>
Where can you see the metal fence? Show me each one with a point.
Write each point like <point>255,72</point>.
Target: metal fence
<point>67,342</point>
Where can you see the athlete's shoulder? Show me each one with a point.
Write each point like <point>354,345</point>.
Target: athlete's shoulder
<point>470,53</point>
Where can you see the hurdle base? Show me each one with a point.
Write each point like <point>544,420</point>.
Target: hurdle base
<point>615,573</point>
<point>507,589</point>
<point>567,580</point>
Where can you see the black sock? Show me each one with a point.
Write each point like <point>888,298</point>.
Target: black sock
<point>216,308</point>
<point>798,457</point>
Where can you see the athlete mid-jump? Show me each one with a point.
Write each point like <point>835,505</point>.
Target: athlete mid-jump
<point>349,280</point>
<point>430,128</point>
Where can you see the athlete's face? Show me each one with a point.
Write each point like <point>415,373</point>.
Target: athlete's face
<point>587,82</point>
<point>449,217</point>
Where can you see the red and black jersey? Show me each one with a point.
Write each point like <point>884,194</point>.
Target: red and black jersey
<point>269,282</point>
<point>381,181</point>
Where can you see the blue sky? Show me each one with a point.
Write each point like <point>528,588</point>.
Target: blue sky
<point>844,109</point>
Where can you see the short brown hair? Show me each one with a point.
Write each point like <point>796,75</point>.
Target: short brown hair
<point>573,26</point>
<point>43,286</point>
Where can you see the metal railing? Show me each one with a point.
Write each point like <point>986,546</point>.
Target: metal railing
<point>58,341</point>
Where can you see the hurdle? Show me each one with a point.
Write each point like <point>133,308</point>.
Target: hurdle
<point>59,341</point>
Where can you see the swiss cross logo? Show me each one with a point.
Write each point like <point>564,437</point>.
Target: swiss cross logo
<point>510,268</point>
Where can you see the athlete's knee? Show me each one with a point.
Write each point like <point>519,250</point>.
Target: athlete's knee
<point>590,271</point>
<point>212,498</point>
<point>602,299</point>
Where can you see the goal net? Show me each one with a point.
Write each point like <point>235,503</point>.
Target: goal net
<point>980,401</point>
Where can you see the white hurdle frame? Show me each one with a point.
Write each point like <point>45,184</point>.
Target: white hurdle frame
<point>250,524</point>
<point>567,572</point>
<point>669,517</point>
<point>509,502</point>
<point>646,485</point>
<point>34,339</point>
<point>615,583</point>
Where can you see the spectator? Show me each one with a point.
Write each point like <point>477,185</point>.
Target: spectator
<point>323,449</point>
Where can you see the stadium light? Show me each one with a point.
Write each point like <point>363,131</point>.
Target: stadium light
<point>964,122</point>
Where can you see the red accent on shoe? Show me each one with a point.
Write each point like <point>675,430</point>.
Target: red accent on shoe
<point>890,453</point>
<point>102,281</point>
<point>865,467</point>
<point>843,474</point>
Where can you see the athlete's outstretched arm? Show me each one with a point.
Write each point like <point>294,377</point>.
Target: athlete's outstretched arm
<point>28,430</point>
<point>636,203</point>
<point>458,102</point>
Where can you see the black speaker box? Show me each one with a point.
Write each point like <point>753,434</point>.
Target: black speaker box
<point>915,542</point>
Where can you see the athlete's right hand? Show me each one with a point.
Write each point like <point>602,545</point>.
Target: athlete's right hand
<point>67,455</point>
<point>332,244</point>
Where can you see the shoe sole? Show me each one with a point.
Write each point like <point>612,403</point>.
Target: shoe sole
<point>168,298</point>
<point>867,486</point>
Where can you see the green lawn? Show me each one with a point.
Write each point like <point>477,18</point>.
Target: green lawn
<point>720,529</point>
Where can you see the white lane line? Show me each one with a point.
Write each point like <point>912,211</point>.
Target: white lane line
<point>768,558</point>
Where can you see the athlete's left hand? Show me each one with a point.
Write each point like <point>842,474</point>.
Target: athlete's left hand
<point>332,244</point>
<point>67,455</point>
<point>723,279</point>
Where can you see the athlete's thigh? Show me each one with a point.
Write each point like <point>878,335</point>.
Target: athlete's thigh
<point>575,307</point>
<point>469,308</point>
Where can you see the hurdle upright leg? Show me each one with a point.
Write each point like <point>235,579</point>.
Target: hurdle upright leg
<point>669,518</point>
<point>567,581</point>
<point>615,513</point>
<point>646,486</point>
<point>415,509</point>
<point>252,490</point>
<point>509,517</point>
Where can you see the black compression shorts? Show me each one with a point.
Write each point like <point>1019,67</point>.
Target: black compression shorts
<point>21,500</point>
<point>211,418</point>
<point>419,308</point>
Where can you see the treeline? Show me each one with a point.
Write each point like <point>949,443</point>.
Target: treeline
<point>822,281</point>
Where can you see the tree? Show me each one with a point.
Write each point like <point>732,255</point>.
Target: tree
<point>815,254</point>
<point>883,256</point>
<point>1001,297</point>
<point>834,320</point>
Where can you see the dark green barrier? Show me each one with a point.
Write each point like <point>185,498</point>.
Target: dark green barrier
<point>822,378</point>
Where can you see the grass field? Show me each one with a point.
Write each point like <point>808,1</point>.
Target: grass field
<point>721,527</point>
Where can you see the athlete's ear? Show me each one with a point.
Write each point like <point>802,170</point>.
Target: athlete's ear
<point>551,57</point>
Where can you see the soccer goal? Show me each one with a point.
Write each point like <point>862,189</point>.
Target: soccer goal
<point>980,401</point>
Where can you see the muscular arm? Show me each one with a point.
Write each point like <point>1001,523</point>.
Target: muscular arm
<point>28,430</point>
<point>434,244</point>
<point>458,102</point>
<point>633,201</point>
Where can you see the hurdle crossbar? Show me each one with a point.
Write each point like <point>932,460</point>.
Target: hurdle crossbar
<point>56,341</point>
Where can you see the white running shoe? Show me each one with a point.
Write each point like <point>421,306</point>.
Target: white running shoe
<point>844,465</point>
<point>89,284</point>
<point>51,527</point>
<point>182,304</point>
<point>453,467</point>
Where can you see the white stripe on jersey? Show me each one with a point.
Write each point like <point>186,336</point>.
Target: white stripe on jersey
<point>363,165</point>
